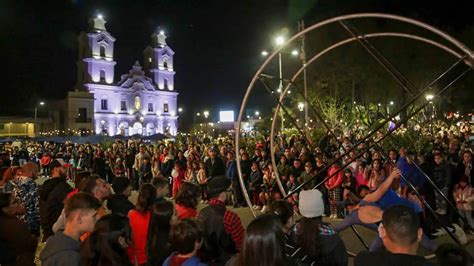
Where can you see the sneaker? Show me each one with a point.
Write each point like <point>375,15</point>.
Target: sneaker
<point>264,209</point>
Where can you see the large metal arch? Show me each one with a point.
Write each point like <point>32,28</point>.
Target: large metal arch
<point>325,51</point>
<point>420,24</point>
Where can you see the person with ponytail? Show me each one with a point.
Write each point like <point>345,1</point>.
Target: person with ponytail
<point>108,242</point>
<point>139,222</point>
<point>158,247</point>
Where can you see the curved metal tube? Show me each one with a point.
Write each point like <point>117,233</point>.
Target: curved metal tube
<point>452,40</point>
<point>323,52</point>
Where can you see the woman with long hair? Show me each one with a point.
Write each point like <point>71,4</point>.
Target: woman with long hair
<point>375,174</point>
<point>187,200</point>
<point>108,242</point>
<point>264,243</point>
<point>139,221</point>
<point>158,247</point>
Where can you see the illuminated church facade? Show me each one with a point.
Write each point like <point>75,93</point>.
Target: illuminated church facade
<point>143,101</point>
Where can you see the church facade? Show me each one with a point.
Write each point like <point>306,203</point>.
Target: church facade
<point>143,101</point>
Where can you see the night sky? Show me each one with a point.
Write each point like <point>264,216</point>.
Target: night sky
<point>217,43</point>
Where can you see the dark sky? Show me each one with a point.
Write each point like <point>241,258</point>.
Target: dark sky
<point>217,43</point>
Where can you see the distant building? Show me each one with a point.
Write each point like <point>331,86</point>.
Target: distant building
<point>142,102</point>
<point>14,126</point>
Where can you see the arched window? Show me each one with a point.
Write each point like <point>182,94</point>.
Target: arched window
<point>165,84</point>
<point>165,63</point>
<point>102,75</point>
<point>102,51</point>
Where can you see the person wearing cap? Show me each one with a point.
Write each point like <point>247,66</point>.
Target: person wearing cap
<point>119,203</point>
<point>331,247</point>
<point>224,230</point>
<point>52,194</point>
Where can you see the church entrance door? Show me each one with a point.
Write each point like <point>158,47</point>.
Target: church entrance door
<point>137,128</point>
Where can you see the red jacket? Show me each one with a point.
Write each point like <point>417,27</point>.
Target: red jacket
<point>45,160</point>
<point>185,212</point>
<point>139,223</point>
<point>336,180</point>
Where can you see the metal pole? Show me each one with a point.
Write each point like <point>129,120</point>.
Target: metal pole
<point>305,85</point>
<point>280,87</point>
<point>36,114</point>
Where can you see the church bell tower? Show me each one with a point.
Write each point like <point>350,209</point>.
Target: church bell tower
<point>96,55</point>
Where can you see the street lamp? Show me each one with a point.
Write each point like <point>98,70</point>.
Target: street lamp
<point>180,110</point>
<point>294,52</point>
<point>429,97</point>
<point>257,113</point>
<point>36,115</point>
<point>301,106</point>
<point>279,40</point>
<point>391,103</point>
<point>198,114</point>
<point>264,53</point>
<point>206,114</point>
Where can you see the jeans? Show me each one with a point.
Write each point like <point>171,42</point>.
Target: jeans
<point>468,215</point>
<point>21,162</point>
<point>440,202</point>
<point>353,219</point>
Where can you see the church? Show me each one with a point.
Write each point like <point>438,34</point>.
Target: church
<point>143,101</point>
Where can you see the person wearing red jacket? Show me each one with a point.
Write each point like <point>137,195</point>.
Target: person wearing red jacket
<point>139,223</point>
<point>44,162</point>
<point>178,177</point>
<point>333,185</point>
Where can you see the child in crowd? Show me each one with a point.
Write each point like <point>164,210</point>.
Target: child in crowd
<point>348,184</point>
<point>186,237</point>
<point>464,197</point>
<point>267,187</point>
<point>291,185</point>
<point>333,185</point>
<point>359,178</point>
<point>145,171</point>
<point>119,168</point>
<point>254,185</point>
<point>178,177</point>
<point>202,180</point>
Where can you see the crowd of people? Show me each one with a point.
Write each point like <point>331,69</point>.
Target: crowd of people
<point>83,213</point>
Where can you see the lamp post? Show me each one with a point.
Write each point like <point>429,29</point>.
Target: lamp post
<point>280,40</point>
<point>36,116</point>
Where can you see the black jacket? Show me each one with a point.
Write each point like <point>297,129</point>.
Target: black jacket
<point>52,194</point>
<point>17,244</point>
<point>215,169</point>
<point>119,204</point>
